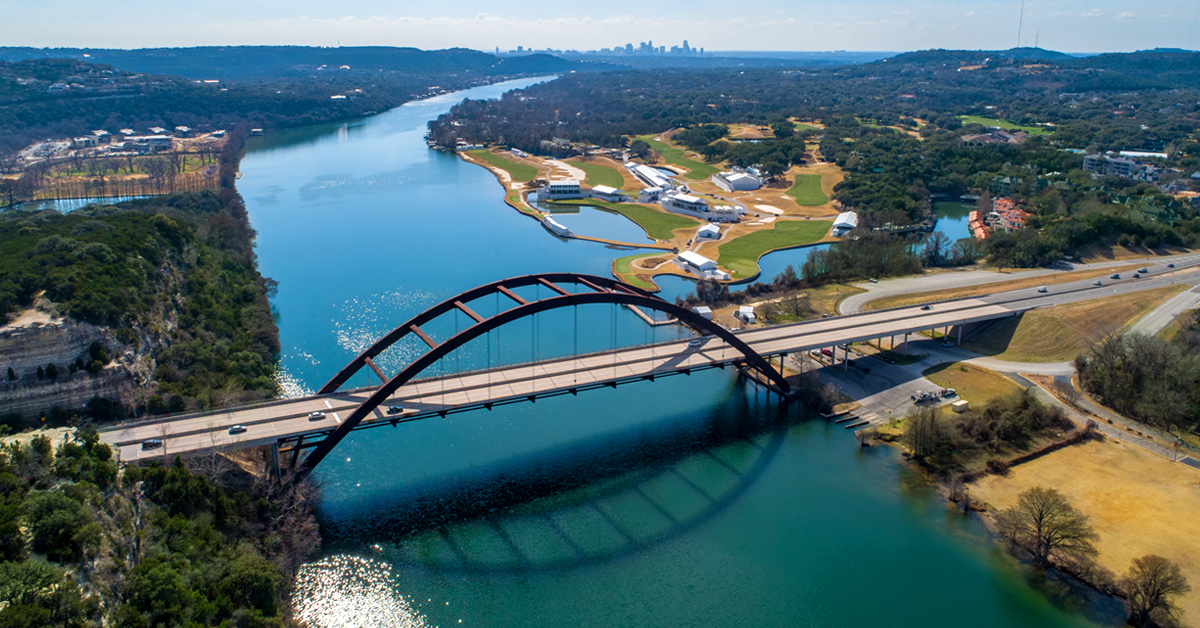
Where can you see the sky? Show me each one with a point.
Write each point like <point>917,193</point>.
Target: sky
<point>873,25</point>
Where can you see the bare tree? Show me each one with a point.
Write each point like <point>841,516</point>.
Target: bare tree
<point>924,434</point>
<point>1148,588</point>
<point>1046,525</point>
<point>1067,391</point>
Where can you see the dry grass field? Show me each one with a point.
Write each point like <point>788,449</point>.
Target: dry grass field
<point>1138,503</point>
<point>1064,332</point>
<point>975,384</point>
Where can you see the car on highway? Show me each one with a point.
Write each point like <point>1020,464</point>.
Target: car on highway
<point>316,416</point>
<point>1115,276</point>
<point>1171,265</point>
<point>237,429</point>
<point>394,409</point>
<point>152,443</point>
<point>827,351</point>
<point>1143,270</point>
<point>1043,289</point>
<point>695,342</point>
<point>926,307</point>
<point>873,280</point>
<point>947,343</point>
<point>1137,275</point>
<point>1097,283</point>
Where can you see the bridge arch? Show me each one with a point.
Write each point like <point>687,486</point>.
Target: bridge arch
<point>600,290</point>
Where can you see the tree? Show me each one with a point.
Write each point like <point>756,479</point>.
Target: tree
<point>1046,525</point>
<point>12,375</point>
<point>937,245</point>
<point>640,149</point>
<point>924,434</point>
<point>1148,588</point>
<point>52,371</point>
<point>61,527</point>
<point>41,373</point>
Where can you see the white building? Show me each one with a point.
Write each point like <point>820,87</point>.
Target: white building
<point>700,266</point>
<point>704,311</point>
<point>650,176</point>
<point>555,227</point>
<point>560,189</point>
<point>736,181</point>
<point>684,204</point>
<point>746,314</point>
<point>650,195</point>
<point>846,221</point>
<point>710,231</point>
<point>606,193</point>
<point>725,213</point>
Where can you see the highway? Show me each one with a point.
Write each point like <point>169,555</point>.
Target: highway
<point>268,423</point>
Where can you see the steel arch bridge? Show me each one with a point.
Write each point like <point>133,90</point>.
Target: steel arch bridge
<point>590,289</point>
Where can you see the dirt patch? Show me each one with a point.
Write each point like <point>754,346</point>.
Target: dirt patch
<point>1138,502</point>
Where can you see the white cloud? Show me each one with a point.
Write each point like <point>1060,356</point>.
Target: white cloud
<point>1124,15</point>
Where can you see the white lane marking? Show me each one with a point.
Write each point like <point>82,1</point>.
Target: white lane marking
<point>328,405</point>
<point>337,418</point>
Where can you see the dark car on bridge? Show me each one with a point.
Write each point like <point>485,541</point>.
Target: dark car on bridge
<point>152,443</point>
<point>316,416</point>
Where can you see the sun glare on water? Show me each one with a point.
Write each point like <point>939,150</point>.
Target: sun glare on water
<point>351,592</point>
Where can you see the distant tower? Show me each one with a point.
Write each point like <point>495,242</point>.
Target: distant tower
<point>686,49</point>
<point>1020,23</point>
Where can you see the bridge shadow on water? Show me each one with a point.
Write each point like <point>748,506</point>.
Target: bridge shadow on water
<point>609,496</point>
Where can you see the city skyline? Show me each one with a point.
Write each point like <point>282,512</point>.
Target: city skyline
<point>773,25</point>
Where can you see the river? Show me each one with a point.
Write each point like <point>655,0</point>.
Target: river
<point>688,501</point>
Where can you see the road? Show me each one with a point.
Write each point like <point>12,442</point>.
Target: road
<point>268,423</point>
<point>951,280</point>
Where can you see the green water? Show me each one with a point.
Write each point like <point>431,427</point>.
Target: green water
<point>689,501</point>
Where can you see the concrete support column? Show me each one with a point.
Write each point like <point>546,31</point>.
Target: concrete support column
<point>960,326</point>
<point>275,460</point>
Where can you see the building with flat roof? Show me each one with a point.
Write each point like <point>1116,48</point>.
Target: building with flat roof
<point>710,231</point>
<point>651,176</point>
<point>684,202</point>
<point>560,189</point>
<point>746,314</point>
<point>608,193</point>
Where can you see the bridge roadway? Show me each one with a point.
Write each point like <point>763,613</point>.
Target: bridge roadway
<point>270,422</point>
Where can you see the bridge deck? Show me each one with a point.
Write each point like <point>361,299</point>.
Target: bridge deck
<point>269,423</point>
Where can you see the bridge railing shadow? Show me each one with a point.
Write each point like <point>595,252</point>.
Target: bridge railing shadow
<point>612,496</point>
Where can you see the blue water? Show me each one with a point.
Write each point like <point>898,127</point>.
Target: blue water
<point>687,501</point>
<point>599,223</point>
<point>952,219</point>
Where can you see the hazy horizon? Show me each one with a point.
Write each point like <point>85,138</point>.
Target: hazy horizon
<point>771,26</point>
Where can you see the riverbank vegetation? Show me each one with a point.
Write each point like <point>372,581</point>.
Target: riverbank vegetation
<point>82,544</point>
<point>174,277</point>
<point>1147,378</point>
<point>892,176</point>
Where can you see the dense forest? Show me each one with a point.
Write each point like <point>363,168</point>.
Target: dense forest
<point>81,545</point>
<point>893,127</point>
<point>267,87</point>
<point>174,276</point>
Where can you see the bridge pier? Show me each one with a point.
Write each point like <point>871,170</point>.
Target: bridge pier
<point>275,468</point>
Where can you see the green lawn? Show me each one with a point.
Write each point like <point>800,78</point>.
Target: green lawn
<point>740,255</point>
<point>520,172</point>
<point>674,156</point>
<point>800,126</point>
<point>1004,124</point>
<point>658,224</point>
<point>621,266</point>
<point>807,190</point>
<point>599,174</point>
